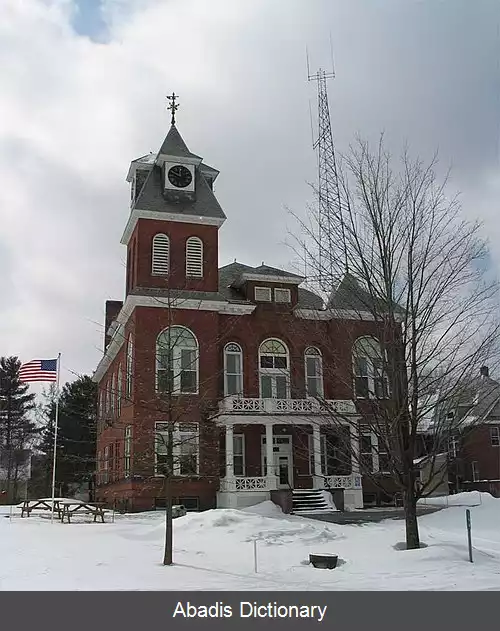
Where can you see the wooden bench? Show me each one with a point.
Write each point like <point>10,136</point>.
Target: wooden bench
<point>80,508</point>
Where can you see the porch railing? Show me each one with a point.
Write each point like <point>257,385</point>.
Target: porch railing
<point>246,484</point>
<point>285,406</point>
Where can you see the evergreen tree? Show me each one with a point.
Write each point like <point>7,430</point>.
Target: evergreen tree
<point>76,434</point>
<point>18,431</point>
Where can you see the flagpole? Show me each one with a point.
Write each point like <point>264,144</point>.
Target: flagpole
<point>56,422</point>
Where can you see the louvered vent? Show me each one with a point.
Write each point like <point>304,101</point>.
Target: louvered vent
<point>160,258</point>
<point>194,257</point>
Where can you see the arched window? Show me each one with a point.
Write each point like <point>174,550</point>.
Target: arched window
<point>160,255</point>
<point>119,391</point>
<point>274,370</point>
<point>233,369</point>
<point>129,367</point>
<point>370,378</point>
<point>177,361</point>
<point>314,372</point>
<point>194,257</point>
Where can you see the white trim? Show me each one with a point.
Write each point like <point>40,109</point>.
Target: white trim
<point>174,160</point>
<point>338,314</point>
<point>137,214</point>
<point>233,418</point>
<point>269,278</point>
<point>132,302</point>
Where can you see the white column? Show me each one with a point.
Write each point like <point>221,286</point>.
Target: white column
<point>270,472</point>
<point>317,451</point>
<point>229,452</point>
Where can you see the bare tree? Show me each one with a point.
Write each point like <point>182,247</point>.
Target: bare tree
<point>179,438</point>
<point>399,257</point>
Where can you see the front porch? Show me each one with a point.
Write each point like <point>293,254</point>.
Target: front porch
<point>272,445</point>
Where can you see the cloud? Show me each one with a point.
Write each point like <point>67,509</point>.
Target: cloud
<point>74,112</point>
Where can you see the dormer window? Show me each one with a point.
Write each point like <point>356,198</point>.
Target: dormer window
<point>282,295</point>
<point>262,294</point>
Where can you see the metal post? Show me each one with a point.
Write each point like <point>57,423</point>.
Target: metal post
<point>56,423</point>
<point>469,537</point>
<point>255,555</point>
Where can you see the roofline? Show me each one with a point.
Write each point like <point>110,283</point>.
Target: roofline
<point>270,278</point>
<point>133,301</point>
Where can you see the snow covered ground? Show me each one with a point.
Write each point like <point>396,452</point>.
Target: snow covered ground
<point>215,551</point>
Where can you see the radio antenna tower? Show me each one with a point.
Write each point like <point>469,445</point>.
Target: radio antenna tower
<point>331,220</point>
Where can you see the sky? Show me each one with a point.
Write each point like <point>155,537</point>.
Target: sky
<point>83,94</point>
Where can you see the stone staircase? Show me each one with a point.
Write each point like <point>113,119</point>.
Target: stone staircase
<point>311,501</point>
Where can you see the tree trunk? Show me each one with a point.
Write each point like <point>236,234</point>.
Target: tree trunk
<point>411,523</point>
<point>169,539</point>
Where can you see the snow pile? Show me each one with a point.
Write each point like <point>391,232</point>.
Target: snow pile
<point>215,551</point>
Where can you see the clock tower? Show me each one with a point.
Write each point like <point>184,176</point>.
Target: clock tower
<point>172,230</point>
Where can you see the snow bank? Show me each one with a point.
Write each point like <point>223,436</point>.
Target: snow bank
<point>266,509</point>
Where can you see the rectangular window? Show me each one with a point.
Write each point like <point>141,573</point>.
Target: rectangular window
<point>185,449</point>
<point>282,295</point>
<point>127,449</point>
<point>314,379</point>
<point>105,474</point>
<point>361,377</point>
<point>453,447</point>
<point>495,436</point>
<point>234,381</point>
<point>116,465</point>
<point>383,461</point>
<point>380,381</point>
<point>366,453</point>
<point>239,454</point>
<point>323,449</point>
<point>263,294</point>
<point>475,471</point>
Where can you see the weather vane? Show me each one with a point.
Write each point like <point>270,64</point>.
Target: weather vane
<point>173,105</point>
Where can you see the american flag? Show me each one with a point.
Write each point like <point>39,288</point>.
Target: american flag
<point>38,370</point>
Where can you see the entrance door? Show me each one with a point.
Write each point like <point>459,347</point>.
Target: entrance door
<point>283,460</point>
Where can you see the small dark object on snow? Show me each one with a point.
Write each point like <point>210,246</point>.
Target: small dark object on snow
<point>324,561</point>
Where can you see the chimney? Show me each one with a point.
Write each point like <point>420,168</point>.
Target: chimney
<point>112,310</point>
<point>484,371</point>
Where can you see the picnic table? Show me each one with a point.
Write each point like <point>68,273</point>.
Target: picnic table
<point>27,506</point>
<point>64,508</point>
<point>70,508</point>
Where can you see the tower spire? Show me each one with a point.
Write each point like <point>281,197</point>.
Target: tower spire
<point>173,106</point>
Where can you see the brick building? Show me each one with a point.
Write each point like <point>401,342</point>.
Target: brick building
<point>474,452</point>
<point>239,361</point>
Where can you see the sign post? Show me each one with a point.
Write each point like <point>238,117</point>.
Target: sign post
<point>469,538</point>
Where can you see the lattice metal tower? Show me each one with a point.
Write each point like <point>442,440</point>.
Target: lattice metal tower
<point>331,226</point>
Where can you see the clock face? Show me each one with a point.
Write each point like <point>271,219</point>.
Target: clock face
<point>179,176</point>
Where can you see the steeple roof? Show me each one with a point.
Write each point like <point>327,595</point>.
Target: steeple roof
<point>174,145</point>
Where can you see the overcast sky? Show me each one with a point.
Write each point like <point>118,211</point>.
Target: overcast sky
<point>83,87</point>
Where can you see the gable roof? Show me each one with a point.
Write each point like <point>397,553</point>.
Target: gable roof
<point>230,274</point>
<point>351,295</point>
